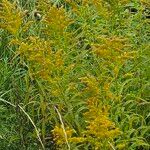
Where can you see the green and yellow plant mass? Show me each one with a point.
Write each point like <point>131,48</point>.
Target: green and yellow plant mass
<point>74,74</point>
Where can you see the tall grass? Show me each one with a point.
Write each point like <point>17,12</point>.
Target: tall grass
<point>74,75</point>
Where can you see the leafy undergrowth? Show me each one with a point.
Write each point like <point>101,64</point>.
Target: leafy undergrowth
<point>74,75</point>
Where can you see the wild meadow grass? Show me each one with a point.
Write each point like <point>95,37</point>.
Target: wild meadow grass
<point>74,75</point>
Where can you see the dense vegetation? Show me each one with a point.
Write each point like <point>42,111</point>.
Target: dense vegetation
<point>74,74</point>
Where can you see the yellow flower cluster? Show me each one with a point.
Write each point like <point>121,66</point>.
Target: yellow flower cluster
<point>56,21</point>
<point>44,62</point>
<point>92,85</point>
<point>10,17</point>
<point>60,139</point>
<point>55,24</point>
<point>59,135</point>
<point>102,7</point>
<point>99,128</point>
<point>109,48</point>
<point>114,52</point>
<point>38,52</point>
<point>99,5</point>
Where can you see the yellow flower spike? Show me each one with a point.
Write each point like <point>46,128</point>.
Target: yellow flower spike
<point>116,71</point>
<point>59,138</point>
<point>113,52</point>
<point>56,92</point>
<point>92,85</point>
<point>107,86</point>
<point>59,58</point>
<point>11,17</point>
<point>77,139</point>
<point>121,146</point>
<point>99,127</point>
<point>129,55</point>
<point>56,20</point>
<point>39,54</point>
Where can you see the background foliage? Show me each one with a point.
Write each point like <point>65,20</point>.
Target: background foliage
<point>74,74</point>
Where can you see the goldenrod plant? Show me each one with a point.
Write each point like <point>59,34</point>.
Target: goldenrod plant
<point>74,75</point>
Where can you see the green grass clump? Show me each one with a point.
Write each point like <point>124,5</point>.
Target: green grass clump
<point>74,75</point>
